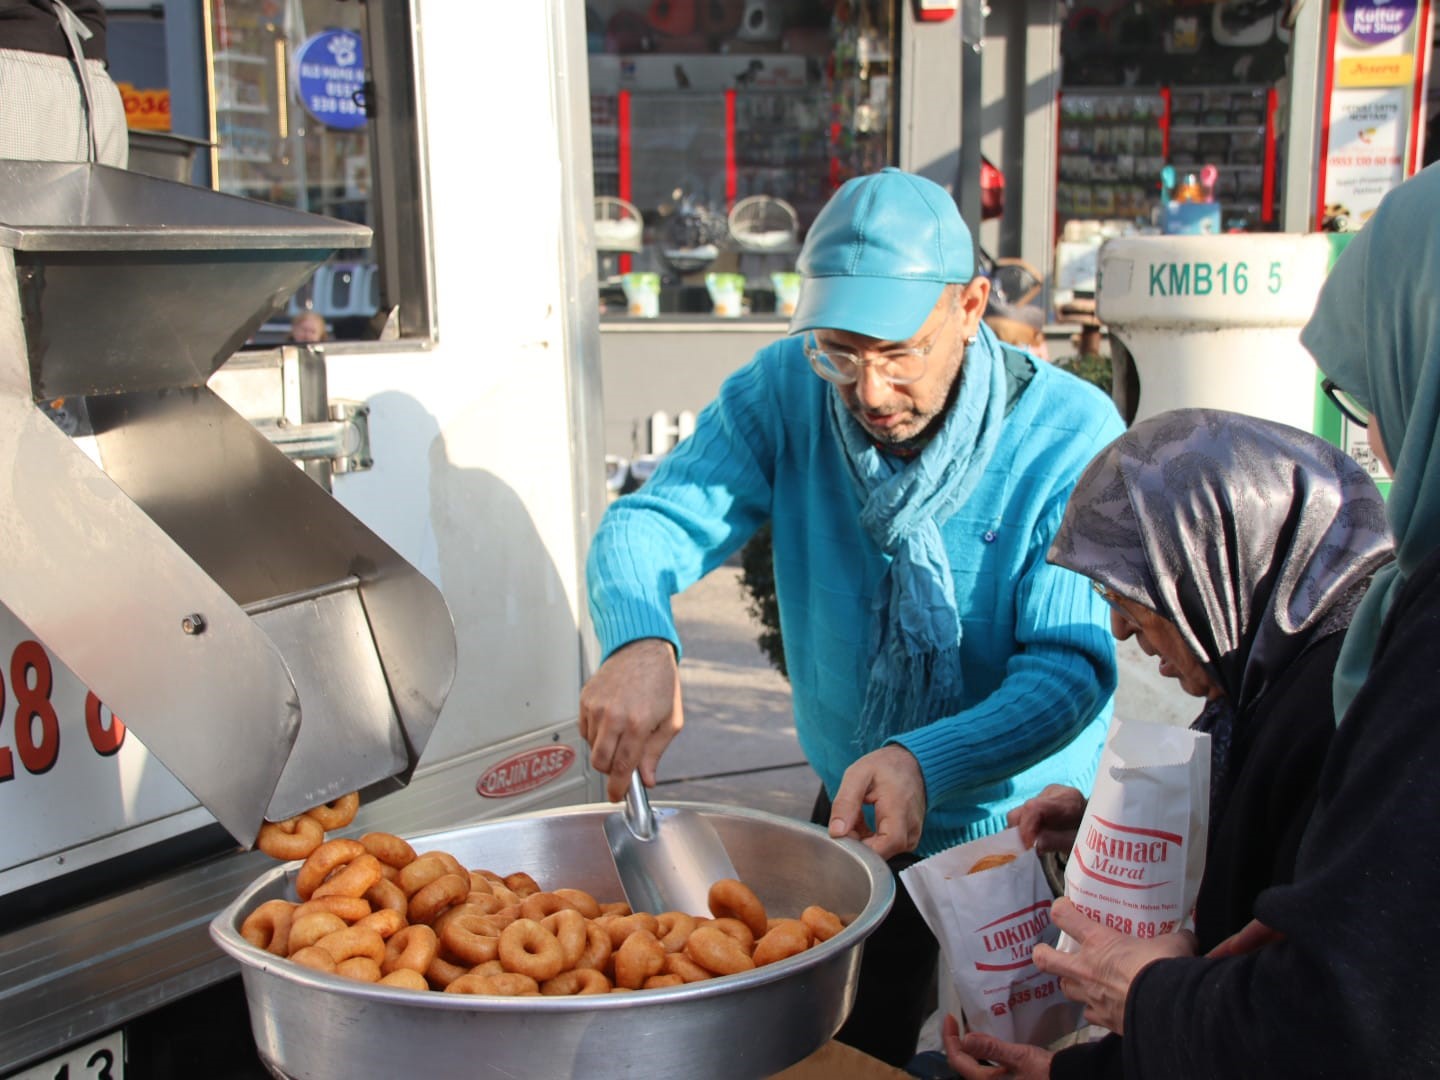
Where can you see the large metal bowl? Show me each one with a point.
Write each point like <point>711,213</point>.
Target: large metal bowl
<point>311,1026</point>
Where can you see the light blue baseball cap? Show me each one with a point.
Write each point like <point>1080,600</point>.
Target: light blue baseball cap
<point>878,256</point>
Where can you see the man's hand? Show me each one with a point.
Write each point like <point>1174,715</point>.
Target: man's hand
<point>890,780</point>
<point>1100,974</point>
<point>1011,1059</point>
<point>630,710</point>
<point>1050,820</point>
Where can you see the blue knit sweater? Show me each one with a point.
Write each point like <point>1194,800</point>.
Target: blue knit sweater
<point>1036,651</point>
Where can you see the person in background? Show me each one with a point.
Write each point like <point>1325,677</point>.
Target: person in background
<point>1021,325</point>
<point>914,470</point>
<point>1339,973</point>
<point>57,100</point>
<point>307,328</point>
<point>1236,550</point>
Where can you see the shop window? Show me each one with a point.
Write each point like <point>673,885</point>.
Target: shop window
<point>312,107</point>
<point>720,128</point>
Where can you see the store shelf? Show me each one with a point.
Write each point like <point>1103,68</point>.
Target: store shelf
<point>260,110</point>
<point>1218,129</point>
<point>240,58</point>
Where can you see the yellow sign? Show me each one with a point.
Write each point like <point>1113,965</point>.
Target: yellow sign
<point>146,110</point>
<point>1376,71</point>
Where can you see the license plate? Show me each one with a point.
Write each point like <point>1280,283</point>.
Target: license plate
<point>103,1059</point>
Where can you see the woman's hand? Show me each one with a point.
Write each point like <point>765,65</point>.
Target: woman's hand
<point>1011,1059</point>
<point>1050,820</point>
<point>1100,974</point>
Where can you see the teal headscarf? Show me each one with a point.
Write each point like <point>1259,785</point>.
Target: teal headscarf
<point>1376,333</point>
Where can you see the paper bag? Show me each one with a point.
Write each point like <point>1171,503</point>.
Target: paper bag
<point>1140,851</point>
<point>987,922</point>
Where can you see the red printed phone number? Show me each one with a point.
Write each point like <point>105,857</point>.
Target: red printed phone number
<point>1033,993</point>
<point>1144,928</point>
<point>36,724</point>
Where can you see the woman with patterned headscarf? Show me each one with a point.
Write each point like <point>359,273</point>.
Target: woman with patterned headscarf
<point>1339,974</point>
<point>1236,550</point>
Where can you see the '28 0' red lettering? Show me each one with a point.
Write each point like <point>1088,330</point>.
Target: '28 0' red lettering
<point>37,725</point>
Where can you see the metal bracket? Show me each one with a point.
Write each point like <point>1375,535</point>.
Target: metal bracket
<point>343,440</point>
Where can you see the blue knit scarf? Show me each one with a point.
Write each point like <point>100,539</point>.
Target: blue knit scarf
<point>915,676</point>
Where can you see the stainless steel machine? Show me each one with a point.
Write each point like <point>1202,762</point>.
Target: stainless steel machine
<point>265,645</point>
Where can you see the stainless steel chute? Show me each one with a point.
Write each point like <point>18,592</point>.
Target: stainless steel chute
<point>264,644</point>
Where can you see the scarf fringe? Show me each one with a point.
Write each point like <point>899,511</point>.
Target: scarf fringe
<point>907,691</point>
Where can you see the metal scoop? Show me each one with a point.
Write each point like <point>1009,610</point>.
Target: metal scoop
<point>667,859</point>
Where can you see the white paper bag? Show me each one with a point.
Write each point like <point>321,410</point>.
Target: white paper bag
<point>987,922</point>
<point>1138,857</point>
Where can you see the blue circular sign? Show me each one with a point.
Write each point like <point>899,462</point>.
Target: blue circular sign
<point>1372,21</point>
<point>330,79</point>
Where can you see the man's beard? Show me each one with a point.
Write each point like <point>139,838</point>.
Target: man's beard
<point>908,445</point>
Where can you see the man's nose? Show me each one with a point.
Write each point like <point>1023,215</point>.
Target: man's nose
<point>871,388</point>
<point>1120,626</point>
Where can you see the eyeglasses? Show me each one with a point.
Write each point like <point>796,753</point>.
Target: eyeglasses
<point>1349,408</point>
<point>842,367</point>
<point>1111,597</point>
<point>899,366</point>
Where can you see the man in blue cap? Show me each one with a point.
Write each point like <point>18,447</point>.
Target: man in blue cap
<point>914,470</point>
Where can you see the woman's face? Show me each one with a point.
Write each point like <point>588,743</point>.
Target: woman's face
<point>1377,445</point>
<point>1158,636</point>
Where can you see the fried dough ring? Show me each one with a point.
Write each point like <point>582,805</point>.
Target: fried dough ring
<point>405,979</point>
<point>295,838</point>
<point>470,939</point>
<point>306,931</point>
<point>386,895</point>
<point>507,984</point>
<point>355,879</point>
<point>522,884</point>
<point>320,862</point>
<point>444,892</point>
<point>352,941</point>
<point>680,964</point>
<point>452,864</point>
<point>576,982</point>
<point>621,928</point>
<point>386,922</point>
<point>359,968</point>
<point>421,871</point>
<point>789,937</point>
<point>615,907</point>
<point>598,948</point>
<point>337,813</point>
<point>538,905</point>
<point>389,849</point>
<point>822,924</point>
<point>736,929</point>
<point>732,899</point>
<point>673,928</point>
<point>410,949</point>
<point>581,901</point>
<point>717,952</point>
<point>268,926</point>
<point>312,956</point>
<point>527,948</point>
<point>657,982</point>
<point>639,957</point>
<point>440,973</point>
<point>569,928</point>
<point>349,908</point>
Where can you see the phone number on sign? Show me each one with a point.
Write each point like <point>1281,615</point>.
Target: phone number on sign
<point>1145,928</point>
<point>35,725</point>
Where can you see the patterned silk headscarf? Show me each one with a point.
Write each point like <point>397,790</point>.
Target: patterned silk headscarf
<point>1252,537</point>
<point>1376,332</point>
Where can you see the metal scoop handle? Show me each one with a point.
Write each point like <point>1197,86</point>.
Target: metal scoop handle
<point>639,818</point>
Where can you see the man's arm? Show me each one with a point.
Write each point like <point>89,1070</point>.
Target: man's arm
<point>707,497</point>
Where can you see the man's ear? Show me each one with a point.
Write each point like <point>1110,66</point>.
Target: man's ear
<point>974,296</point>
